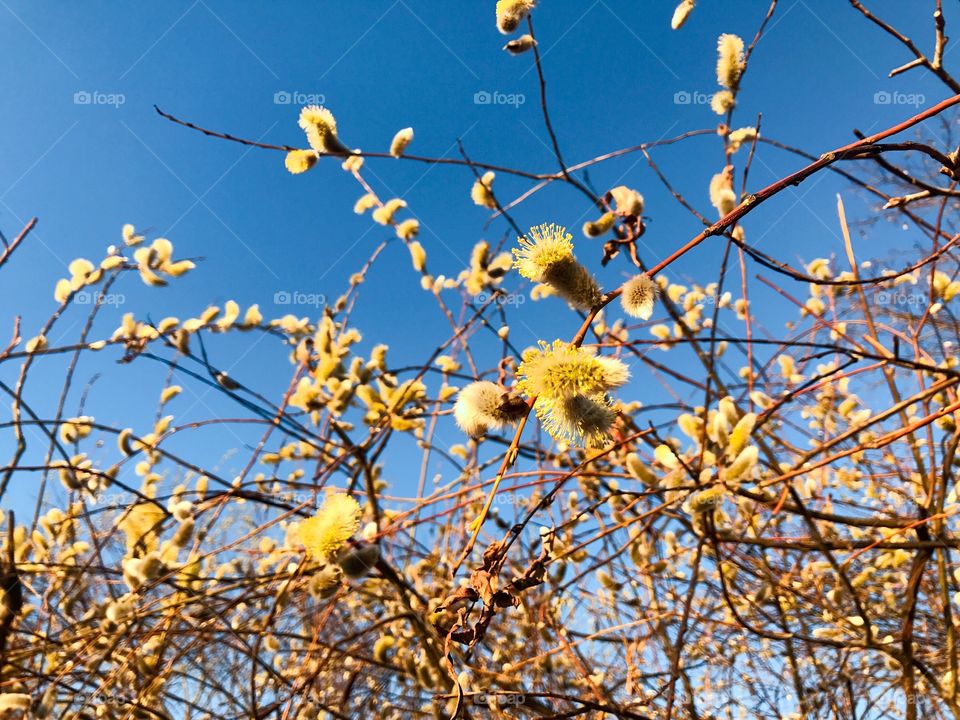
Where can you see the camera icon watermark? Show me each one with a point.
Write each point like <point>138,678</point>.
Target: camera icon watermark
<point>295,97</point>
<point>499,699</point>
<point>517,299</point>
<point>298,297</point>
<point>85,297</point>
<point>886,97</point>
<point>691,97</point>
<point>96,97</point>
<point>901,298</point>
<point>495,97</point>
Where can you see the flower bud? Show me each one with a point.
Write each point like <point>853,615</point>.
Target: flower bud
<point>520,45</point>
<point>400,142</point>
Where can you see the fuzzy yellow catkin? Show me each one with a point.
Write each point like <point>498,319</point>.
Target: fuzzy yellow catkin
<point>510,13</point>
<point>80,268</point>
<point>741,434</point>
<point>722,196</point>
<point>299,161</point>
<point>638,296</point>
<point>582,420</point>
<point>681,13</point>
<point>252,317</point>
<point>418,255</point>
<point>667,456</point>
<point>738,137</point>
<point>401,141</point>
<point>334,523</point>
<point>742,465</point>
<point>231,311</point>
<point>321,129</point>
<point>124,442</point>
<point>130,236</point>
<point>482,191</point>
<point>520,45</point>
<point>184,532</point>
<point>36,344</point>
<point>352,164</point>
<point>62,290</point>
<point>162,251</point>
<point>365,203</point>
<point>598,227</point>
<point>562,371</point>
<point>638,469</point>
<point>76,429</point>
<point>483,406</point>
<point>384,214</point>
<point>730,60</point>
<point>546,255</point>
<point>628,201</point>
<point>111,262</point>
<point>574,283</point>
<point>722,102</point>
<point>408,229</point>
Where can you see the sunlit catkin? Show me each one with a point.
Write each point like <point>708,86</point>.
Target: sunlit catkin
<point>738,137</point>
<point>365,203</point>
<point>596,228</point>
<point>546,255</point>
<point>722,196</point>
<point>482,191</point>
<point>638,296</point>
<point>299,161</point>
<point>510,13</point>
<point>36,344</point>
<point>334,523</point>
<point>562,371</point>
<point>520,45</point>
<point>384,214</point>
<point>580,420</point>
<point>408,229</point>
<point>730,60</point>
<point>483,406</point>
<point>722,102</point>
<point>321,129</point>
<point>742,465</point>
<point>681,13</point>
<point>627,200</point>
<point>401,141</point>
<point>418,255</point>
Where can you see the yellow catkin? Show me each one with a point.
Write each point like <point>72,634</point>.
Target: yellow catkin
<point>730,60</point>
<point>334,523</point>
<point>510,13</point>
<point>681,13</point>
<point>299,161</point>
<point>638,296</point>
<point>482,191</point>
<point>401,141</point>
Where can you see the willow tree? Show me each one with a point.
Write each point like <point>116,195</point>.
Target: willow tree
<point>773,541</point>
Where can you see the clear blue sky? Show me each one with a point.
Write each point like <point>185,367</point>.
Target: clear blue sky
<point>613,70</point>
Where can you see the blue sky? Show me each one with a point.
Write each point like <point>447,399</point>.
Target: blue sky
<point>614,71</point>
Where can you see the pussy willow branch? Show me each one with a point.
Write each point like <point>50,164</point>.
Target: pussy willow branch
<point>920,59</point>
<point>386,156</point>
<point>8,250</point>
<point>731,218</point>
